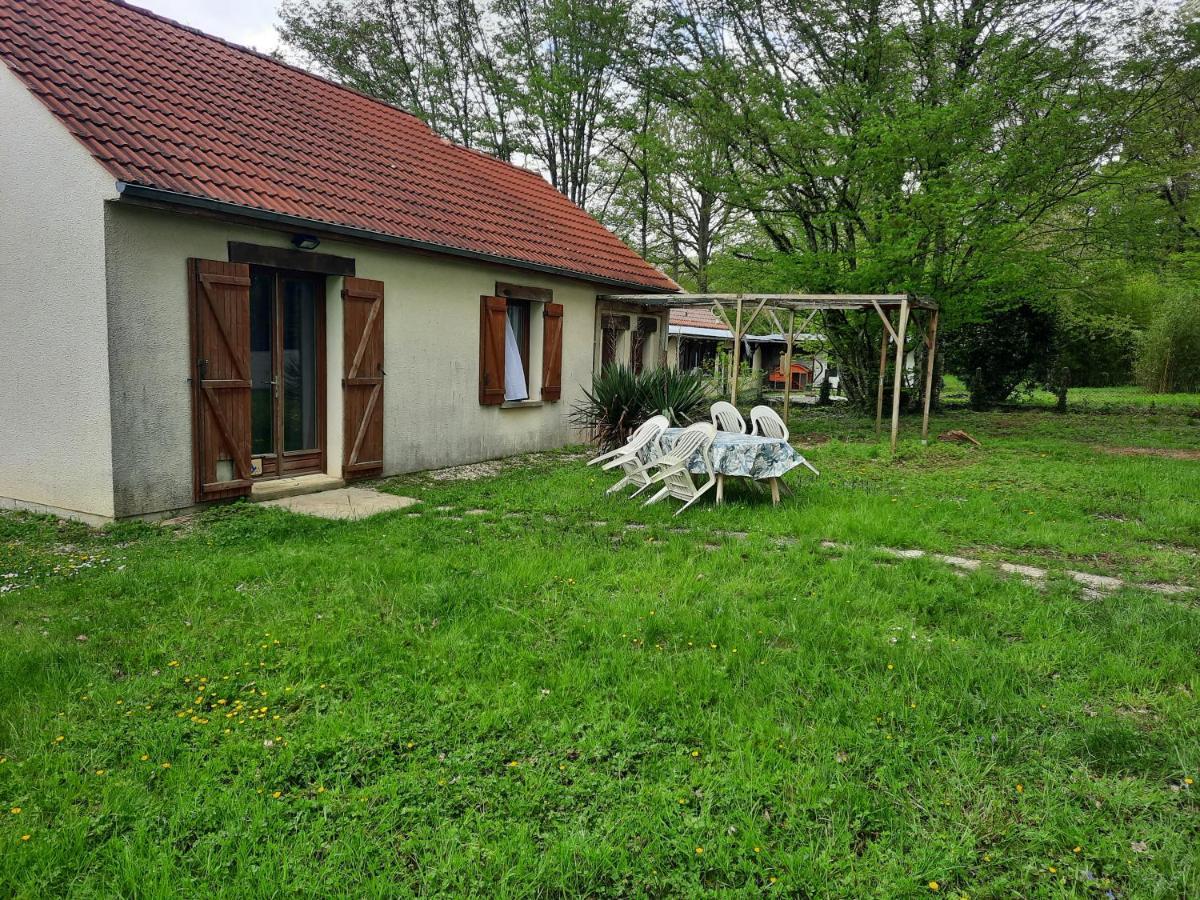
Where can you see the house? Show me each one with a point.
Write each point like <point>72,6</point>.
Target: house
<point>217,269</point>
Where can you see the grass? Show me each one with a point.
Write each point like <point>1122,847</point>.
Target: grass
<point>567,694</point>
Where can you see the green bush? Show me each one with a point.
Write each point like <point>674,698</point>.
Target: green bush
<point>1011,346</point>
<point>1169,354</point>
<point>620,400</point>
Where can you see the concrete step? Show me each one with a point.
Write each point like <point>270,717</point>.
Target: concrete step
<point>278,488</point>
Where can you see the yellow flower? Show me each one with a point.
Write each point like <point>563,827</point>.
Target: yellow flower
<point>682,801</point>
<point>1185,781</point>
<point>1052,869</point>
<point>1020,788</point>
<point>277,794</point>
<point>934,886</point>
<point>513,764</point>
<point>773,879</point>
<point>173,662</point>
<point>695,753</point>
<point>699,851</point>
<point>25,837</point>
<point>890,667</point>
<point>320,790</point>
<point>100,772</point>
<point>60,739</point>
<point>758,849</point>
<point>16,810</point>
<point>166,765</point>
<point>1077,849</point>
<point>145,756</point>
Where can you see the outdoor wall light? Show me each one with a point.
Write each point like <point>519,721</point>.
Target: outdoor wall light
<point>305,241</point>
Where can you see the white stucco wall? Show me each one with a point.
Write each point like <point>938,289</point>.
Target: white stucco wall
<point>432,415</point>
<point>55,438</point>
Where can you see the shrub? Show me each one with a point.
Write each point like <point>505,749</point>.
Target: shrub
<point>1169,354</point>
<point>1011,346</point>
<point>620,400</point>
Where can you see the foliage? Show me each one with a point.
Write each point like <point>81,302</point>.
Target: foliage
<point>620,399</point>
<point>524,697</point>
<point>1169,356</point>
<point>1011,347</point>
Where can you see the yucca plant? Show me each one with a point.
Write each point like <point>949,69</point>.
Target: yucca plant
<point>620,400</point>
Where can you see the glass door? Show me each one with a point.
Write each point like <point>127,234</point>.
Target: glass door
<point>287,366</point>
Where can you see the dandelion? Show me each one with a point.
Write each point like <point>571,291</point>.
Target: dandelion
<point>890,667</point>
<point>683,801</point>
<point>758,849</point>
<point>166,765</point>
<point>173,663</point>
<point>25,837</point>
<point>16,810</point>
<point>145,756</point>
<point>1077,849</point>
<point>1185,781</point>
<point>513,764</point>
<point>695,753</point>
<point>699,851</point>
<point>1052,870</point>
<point>277,794</point>
<point>934,886</point>
<point>1020,788</point>
<point>60,739</point>
<point>101,772</point>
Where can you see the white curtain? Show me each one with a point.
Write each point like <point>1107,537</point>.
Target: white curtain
<point>514,370</point>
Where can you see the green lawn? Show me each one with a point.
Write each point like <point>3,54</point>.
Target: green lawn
<point>567,694</point>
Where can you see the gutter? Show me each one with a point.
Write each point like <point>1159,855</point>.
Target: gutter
<point>297,223</point>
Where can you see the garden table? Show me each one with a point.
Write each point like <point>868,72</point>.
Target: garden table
<point>742,456</point>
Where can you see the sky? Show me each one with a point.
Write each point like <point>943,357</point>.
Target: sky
<point>247,22</point>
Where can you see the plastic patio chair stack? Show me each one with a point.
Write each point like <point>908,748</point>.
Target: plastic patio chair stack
<point>671,469</point>
<point>726,417</point>
<point>629,456</point>
<point>765,422</point>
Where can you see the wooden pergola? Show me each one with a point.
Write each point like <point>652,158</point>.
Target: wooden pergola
<point>741,311</point>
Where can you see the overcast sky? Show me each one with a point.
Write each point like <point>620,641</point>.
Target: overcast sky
<point>247,22</point>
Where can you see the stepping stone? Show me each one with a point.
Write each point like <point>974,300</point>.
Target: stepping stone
<point>903,554</point>
<point>343,503</point>
<point>1024,571</point>
<point>443,508</point>
<point>514,515</point>
<point>477,512</point>
<point>1168,590</point>
<point>736,535</point>
<point>597,524</point>
<point>959,562</point>
<point>1097,582</point>
<point>635,526</point>
<point>833,545</point>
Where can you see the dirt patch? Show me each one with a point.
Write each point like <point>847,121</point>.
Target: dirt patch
<point>810,440</point>
<point>1159,452</point>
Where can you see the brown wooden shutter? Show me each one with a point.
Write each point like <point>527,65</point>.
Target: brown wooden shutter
<point>362,381</point>
<point>493,314</point>
<point>552,322</point>
<point>219,317</point>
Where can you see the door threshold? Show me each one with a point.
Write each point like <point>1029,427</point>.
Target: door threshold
<point>294,486</point>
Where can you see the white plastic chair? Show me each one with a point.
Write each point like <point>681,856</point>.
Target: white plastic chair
<point>671,469</point>
<point>726,417</point>
<point>629,456</point>
<point>765,422</point>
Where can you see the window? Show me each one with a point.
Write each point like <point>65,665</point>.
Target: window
<point>520,346</point>
<point>516,351</point>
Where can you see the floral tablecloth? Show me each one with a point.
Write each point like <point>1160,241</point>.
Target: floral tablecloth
<point>746,455</point>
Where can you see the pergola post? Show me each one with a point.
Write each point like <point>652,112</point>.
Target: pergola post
<point>787,368</point>
<point>898,380</point>
<point>931,352</point>
<point>737,352</point>
<point>883,355</point>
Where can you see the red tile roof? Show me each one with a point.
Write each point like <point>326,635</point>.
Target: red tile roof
<point>696,317</point>
<point>165,106</point>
